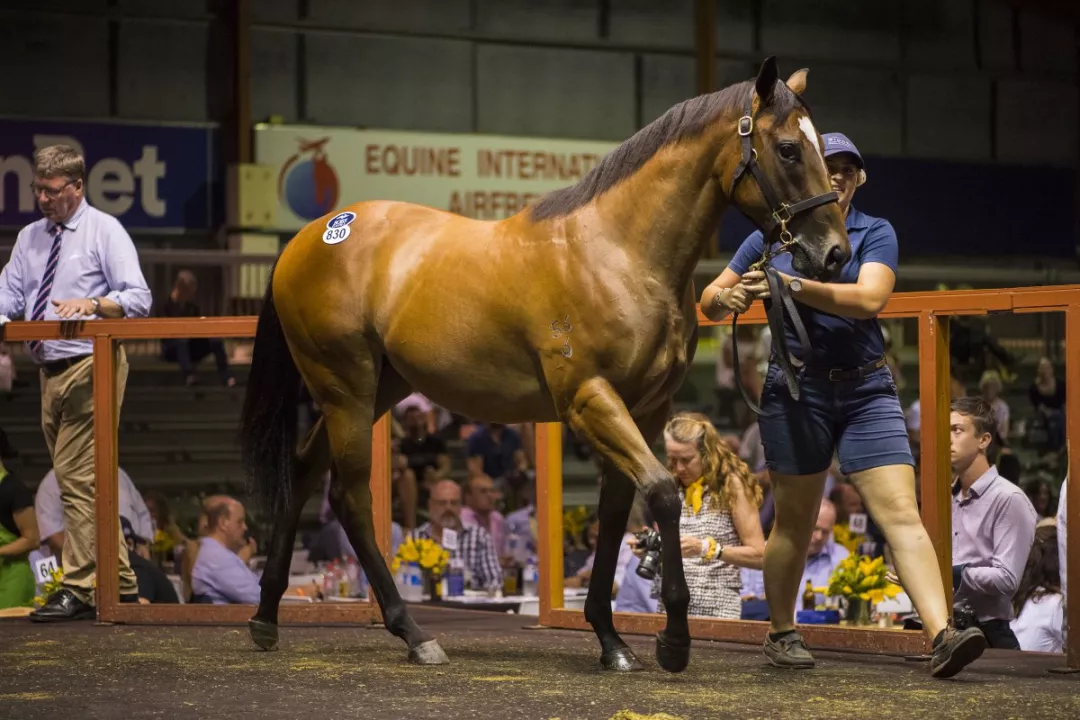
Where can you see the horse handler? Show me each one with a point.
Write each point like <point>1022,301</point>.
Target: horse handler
<point>849,406</point>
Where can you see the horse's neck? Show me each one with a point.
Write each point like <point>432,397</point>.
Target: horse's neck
<point>668,210</point>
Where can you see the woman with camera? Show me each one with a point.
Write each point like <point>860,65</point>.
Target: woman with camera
<point>719,527</point>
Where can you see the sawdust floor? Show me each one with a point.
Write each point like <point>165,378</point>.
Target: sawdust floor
<point>498,670</point>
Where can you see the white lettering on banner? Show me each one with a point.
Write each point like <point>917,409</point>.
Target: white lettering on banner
<point>110,182</point>
<point>486,177</point>
<point>23,170</point>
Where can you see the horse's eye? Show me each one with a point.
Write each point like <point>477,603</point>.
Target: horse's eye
<point>789,151</point>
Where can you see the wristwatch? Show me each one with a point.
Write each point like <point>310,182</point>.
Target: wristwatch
<point>97,305</point>
<point>795,285</point>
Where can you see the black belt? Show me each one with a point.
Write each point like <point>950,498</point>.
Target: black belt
<point>54,368</point>
<point>842,374</point>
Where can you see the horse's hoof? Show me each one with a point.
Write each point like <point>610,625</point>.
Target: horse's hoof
<point>621,660</point>
<point>428,653</point>
<point>263,633</point>
<point>671,656</point>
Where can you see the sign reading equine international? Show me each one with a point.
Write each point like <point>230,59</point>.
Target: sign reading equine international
<point>488,177</point>
<point>148,176</point>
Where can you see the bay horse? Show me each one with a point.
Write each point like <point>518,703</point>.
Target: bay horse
<point>579,309</point>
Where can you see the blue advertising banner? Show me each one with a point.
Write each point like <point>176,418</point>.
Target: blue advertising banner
<point>158,177</point>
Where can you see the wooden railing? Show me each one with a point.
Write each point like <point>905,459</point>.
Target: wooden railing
<point>932,309</point>
<point>106,334</point>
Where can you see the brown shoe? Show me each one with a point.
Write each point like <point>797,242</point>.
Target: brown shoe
<point>956,649</point>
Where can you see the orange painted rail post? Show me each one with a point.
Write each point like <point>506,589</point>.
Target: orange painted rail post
<point>936,469</point>
<point>1072,510</point>
<point>106,472</point>
<point>549,518</point>
<point>380,485</point>
<point>381,497</point>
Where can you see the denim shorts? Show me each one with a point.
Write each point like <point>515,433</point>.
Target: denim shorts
<point>860,420</point>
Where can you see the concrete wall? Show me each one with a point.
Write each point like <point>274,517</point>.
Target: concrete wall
<point>948,79</point>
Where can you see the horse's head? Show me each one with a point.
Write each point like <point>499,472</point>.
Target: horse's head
<point>777,176</point>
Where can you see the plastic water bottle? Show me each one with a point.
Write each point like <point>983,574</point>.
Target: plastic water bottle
<point>513,545</point>
<point>352,576</point>
<point>415,579</point>
<point>329,588</point>
<point>531,578</point>
<point>455,579</point>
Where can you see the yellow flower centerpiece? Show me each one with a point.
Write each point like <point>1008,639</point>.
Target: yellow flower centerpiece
<point>424,551</point>
<point>862,582</point>
<point>574,521</point>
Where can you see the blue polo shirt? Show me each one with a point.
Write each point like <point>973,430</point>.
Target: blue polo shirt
<point>838,342</point>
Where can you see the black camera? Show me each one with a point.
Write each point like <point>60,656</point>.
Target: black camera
<point>649,541</point>
<point>964,615</point>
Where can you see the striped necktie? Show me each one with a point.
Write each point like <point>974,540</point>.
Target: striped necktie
<point>47,281</point>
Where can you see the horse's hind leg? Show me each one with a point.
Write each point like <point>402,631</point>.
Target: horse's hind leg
<point>349,419</point>
<point>598,413</point>
<point>616,499</point>
<point>313,460</point>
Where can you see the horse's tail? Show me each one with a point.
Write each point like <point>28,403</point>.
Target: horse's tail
<point>268,424</point>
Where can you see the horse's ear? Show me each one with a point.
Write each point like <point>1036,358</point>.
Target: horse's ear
<point>797,82</point>
<point>766,79</point>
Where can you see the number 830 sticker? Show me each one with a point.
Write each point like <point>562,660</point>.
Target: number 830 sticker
<point>338,229</point>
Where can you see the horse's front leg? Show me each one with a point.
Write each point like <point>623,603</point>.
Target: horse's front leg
<point>599,414</point>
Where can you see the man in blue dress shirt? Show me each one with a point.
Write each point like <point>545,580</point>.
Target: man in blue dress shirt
<point>75,263</point>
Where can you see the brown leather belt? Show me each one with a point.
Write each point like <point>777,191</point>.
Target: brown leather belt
<point>54,368</point>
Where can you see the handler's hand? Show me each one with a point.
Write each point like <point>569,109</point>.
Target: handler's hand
<point>756,285</point>
<point>735,299</point>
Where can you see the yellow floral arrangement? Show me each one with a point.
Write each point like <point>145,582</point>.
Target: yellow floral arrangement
<point>843,536</point>
<point>425,551</point>
<point>574,521</point>
<point>163,543</point>
<point>54,583</point>
<point>857,576</point>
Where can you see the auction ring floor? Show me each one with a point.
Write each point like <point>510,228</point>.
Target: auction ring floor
<point>498,669</point>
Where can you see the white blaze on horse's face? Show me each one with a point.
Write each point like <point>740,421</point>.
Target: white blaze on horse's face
<point>811,134</point>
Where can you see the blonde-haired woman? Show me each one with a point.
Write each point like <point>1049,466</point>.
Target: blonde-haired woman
<point>719,526</point>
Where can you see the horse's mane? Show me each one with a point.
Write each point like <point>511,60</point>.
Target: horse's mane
<point>685,120</point>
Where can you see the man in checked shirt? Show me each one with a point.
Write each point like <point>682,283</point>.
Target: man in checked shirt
<point>993,524</point>
<point>75,263</point>
<point>472,545</point>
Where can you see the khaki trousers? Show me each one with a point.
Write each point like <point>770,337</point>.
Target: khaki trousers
<point>67,419</point>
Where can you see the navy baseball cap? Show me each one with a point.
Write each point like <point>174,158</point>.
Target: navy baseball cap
<point>836,143</point>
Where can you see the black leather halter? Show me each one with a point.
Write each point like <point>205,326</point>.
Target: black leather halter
<point>780,302</point>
